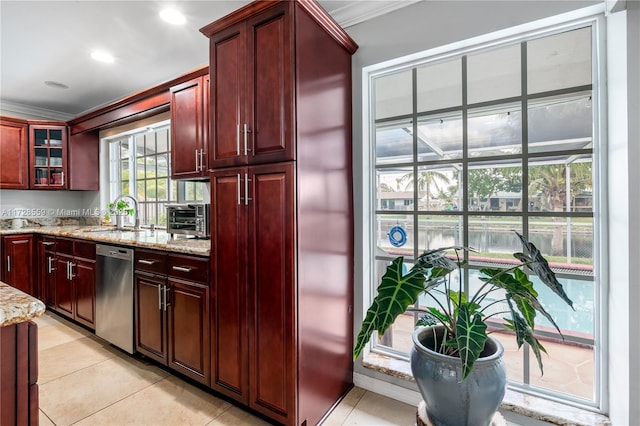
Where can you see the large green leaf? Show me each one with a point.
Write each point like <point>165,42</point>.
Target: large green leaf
<point>471,335</point>
<point>395,293</point>
<point>538,264</point>
<point>524,333</point>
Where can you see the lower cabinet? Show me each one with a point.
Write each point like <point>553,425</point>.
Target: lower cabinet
<point>75,280</point>
<point>19,374</point>
<point>17,262</point>
<point>46,269</point>
<point>172,311</point>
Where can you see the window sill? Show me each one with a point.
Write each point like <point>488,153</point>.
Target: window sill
<point>514,401</point>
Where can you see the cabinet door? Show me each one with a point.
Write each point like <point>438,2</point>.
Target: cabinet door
<point>14,161</point>
<point>64,286</point>
<point>230,354</point>
<point>84,161</point>
<point>46,269</point>
<point>83,273</point>
<point>272,308</point>
<point>269,104</point>
<point>189,342</point>
<point>227,68</point>
<point>151,332</point>
<point>18,259</point>
<point>48,157</point>
<point>187,129</point>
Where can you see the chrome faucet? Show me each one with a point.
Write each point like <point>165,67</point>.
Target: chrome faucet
<point>135,206</point>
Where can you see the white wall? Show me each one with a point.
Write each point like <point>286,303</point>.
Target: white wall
<point>426,25</point>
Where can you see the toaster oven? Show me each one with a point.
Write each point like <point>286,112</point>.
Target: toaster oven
<point>188,219</point>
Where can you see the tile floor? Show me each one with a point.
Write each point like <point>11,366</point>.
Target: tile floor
<point>85,381</point>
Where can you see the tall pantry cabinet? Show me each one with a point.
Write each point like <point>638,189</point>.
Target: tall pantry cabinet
<point>282,215</point>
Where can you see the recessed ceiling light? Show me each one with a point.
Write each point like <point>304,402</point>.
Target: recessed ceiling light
<point>172,16</point>
<point>102,56</point>
<point>56,84</point>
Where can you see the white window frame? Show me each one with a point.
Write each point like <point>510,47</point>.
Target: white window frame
<point>590,15</point>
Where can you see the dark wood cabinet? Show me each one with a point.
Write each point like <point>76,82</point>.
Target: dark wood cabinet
<point>75,280</point>
<point>252,90</point>
<point>14,154</point>
<point>48,156</point>
<point>41,155</point>
<point>19,374</point>
<point>18,262</point>
<point>281,209</point>
<point>84,161</point>
<point>46,269</point>
<point>172,311</point>
<point>190,129</point>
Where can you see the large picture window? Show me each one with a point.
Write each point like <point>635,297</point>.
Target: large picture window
<point>139,165</point>
<point>469,146</point>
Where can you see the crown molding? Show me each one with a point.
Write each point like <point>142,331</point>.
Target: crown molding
<point>359,11</point>
<point>32,112</point>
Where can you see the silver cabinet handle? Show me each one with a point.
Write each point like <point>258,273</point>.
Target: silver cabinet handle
<point>147,262</point>
<point>166,297</point>
<point>181,269</point>
<point>238,139</point>
<point>8,263</point>
<point>50,267</point>
<point>246,189</point>
<point>201,160</point>
<point>68,275</point>
<point>71,274</point>
<point>239,195</point>
<point>246,133</point>
<point>197,160</point>
<point>159,297</point>
<point>48,243</point>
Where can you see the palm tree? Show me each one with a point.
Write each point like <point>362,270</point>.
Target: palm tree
<point>429,181</point>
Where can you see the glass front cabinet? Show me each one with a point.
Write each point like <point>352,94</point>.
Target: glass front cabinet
<point>48,156</point>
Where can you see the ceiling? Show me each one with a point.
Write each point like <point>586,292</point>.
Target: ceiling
<point>52,41</point>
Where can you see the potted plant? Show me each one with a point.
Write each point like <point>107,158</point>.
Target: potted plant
<point>457,366</point>
<point>120,209</point>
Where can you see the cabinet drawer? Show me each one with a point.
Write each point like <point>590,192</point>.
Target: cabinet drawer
<point>151,261</point>
<point>189,268</point>
<point>64,245</point>
<point>85,249</point>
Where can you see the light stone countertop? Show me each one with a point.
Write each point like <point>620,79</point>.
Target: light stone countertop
<point>158,239</point>
<point>16,306</point>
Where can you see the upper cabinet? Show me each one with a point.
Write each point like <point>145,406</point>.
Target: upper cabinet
<point>190,129</point>
<point>14,172</point>
<point>48,156</point>
<point>42,155</point>
<point>251,65</point>
<point>84,161</point>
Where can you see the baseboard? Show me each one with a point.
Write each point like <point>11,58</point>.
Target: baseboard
<point>387,389</point>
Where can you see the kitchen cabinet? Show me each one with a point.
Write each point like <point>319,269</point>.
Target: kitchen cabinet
<point>190,129</point>
<point>14,154</point>
<point>19,374</point>
<point>18,262</point>
<point>84,161</point>
<point>252,92</point>
<point>172,311</point>
<point>75,280</point>
<point>281,209</point>
<point>252,274</point>
<point>46,269</point>
<point>48,156</point>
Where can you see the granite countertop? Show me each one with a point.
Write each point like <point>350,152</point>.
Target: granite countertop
<point>158,239</point>
<point>16,306</point>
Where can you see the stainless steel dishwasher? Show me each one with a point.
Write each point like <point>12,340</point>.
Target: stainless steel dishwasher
<point>114,295</point>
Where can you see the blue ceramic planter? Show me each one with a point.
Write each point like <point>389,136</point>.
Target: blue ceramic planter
<point>450,401</point>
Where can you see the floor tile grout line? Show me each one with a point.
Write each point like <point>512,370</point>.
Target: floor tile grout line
<point>344,422</point>
<point>75,371</point>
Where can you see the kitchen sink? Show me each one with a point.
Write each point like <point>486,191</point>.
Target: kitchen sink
<point>112,230</point>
